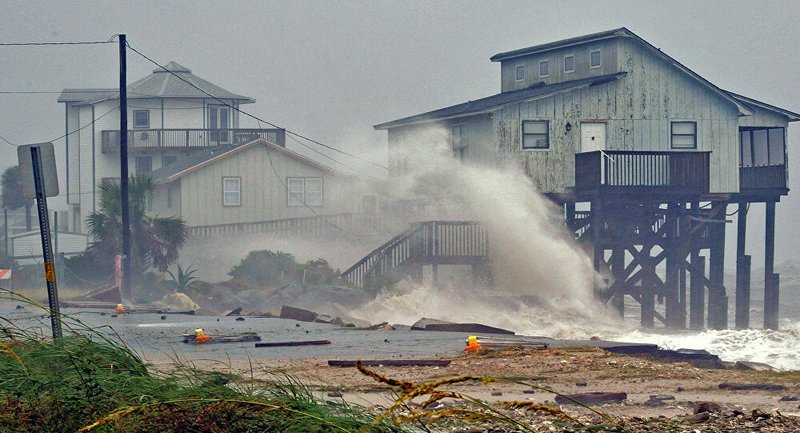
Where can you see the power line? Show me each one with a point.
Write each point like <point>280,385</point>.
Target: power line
<point>258,119</point>
<point>70,132</point>
<point>40,44</point>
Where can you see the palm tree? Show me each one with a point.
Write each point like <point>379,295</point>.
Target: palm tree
<point>11,184</point>
<point>183,279</point>
<point>155,241</point>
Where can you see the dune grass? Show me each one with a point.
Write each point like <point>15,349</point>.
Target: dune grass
<point>89,382</point>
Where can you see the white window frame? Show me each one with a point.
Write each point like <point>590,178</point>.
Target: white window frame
<point>516,73</point>
<point>672,134</point>
<point>599,57</point>
<point>137,126</point>
<point>299,192</point>
<point>569,71</point>
<point>522,135</point>
<point>547,61</point>
<point>227,188</point>
<point>166,157</point>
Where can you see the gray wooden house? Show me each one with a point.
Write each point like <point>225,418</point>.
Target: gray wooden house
<point>656,152</point>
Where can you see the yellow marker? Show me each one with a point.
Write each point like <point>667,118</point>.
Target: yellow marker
<point>49,272</point>
<point>120,308</point>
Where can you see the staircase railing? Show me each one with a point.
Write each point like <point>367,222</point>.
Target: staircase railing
<point>421,241</point>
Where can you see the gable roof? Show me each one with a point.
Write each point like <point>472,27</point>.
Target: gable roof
<point>744,110</point>
<point>793,117</point>
<point>172,81</point>
<point>536,91</point>
<point>203,158</point>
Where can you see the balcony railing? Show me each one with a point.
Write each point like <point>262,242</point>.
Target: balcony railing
<point>188,138</point>
<point>616,171</point>
<point>771,177</point>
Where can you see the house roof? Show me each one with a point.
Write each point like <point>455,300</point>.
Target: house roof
<point>536,91</point>
<point>203,158</point>
<point>172,81</point>
<point>793,117</point>
<point>622,32</point>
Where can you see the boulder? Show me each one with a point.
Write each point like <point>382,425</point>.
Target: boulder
<point>752,366</point>
<point>298,314</point>
<point>179,301</point>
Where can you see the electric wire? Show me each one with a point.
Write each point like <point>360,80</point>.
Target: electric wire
<point>254,117</point>
<point>69,132</point>
<point>41,44</point>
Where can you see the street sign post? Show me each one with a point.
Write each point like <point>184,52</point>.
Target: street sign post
<point>39,180</point>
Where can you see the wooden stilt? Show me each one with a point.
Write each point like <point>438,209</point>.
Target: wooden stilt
<point>770,282</point>
<point>742,271</point>
<point>697,292</point>
<point>647,291</point>
<point>569,214</point>
<point>618,269</point>
<point>671,280</point>
<point>717,301</point>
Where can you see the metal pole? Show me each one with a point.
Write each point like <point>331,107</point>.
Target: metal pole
<point>47,247</point>
<point>126,288</point>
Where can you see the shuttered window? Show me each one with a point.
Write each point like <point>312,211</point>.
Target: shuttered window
<point>684,135</point>
<point>535,134</point>
<point>231,191</point>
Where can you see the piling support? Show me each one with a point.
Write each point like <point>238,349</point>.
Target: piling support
<point>647,292</point>
<point>618,270</point>
<point>770,281</point>
<point>717,301</point>
<point>697,292</point>
<point>742,271</point>
<point>671,279</point>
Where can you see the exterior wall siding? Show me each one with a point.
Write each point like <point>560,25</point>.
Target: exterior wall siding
<point>263,196</point>
<point>608,53</point>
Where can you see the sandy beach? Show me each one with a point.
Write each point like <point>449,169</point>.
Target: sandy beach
<point>679,387</point>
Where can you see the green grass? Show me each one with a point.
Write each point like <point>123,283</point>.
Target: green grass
<point>89,382</point>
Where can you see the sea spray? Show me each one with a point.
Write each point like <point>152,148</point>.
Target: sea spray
<point>532,254</point>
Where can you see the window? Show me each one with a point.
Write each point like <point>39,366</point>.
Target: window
<point>762,146</point>
<point>231,191</point>
<point>141,119</point>
<point>569,63</point>
<point>684,135</point>
<point>144,164</point>
<point>304,191</point>
<point>314,191</point>
<point>519,73</point>
<point>534,134</point>
<point>595,60</point>
<point>459,143</point>
<point>167,160</point>
<point>544,68</point>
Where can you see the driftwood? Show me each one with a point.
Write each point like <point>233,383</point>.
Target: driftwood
<point>293,343</point>
<point>751,386</point>
<point>592,397</point>
<point>214,339</point>
<point>392,363</point>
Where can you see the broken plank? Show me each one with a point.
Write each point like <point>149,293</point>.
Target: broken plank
<point>392,363</point>
<point>293,343</point>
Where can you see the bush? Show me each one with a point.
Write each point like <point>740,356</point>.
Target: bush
<point>266,268</point>
<point>320,273</point>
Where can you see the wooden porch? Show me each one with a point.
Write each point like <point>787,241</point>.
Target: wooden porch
<point>188,138</point>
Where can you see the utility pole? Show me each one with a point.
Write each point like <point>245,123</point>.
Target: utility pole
<point>126,290</point>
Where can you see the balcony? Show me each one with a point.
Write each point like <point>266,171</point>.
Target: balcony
<point>630,172</point>
<point>763,179</point>
<point>188,138</point>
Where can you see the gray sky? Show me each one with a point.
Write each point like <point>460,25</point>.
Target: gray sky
<point>330,70</point>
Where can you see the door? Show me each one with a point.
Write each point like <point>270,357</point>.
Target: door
<point>218,116</point>
<point>593,136</point>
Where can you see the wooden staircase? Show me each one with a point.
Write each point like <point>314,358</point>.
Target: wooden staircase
<point>423,243</point>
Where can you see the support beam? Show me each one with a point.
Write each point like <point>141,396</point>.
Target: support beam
<point>717,300</point>
<point>648,296</point>
<point>618,270</point>
<point>697,292</point>
<point>671,279</point>
<point>742,271</point>
<point>770,282</point>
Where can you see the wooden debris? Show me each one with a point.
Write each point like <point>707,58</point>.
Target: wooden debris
<point>214,339</point>
<point>751,386</point>
<point>293,343</point>
<point>589,398</point>
<point>298,314</point>
<point>392,363</point>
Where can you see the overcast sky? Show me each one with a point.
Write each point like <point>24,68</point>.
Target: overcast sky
<point>330,70</point>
